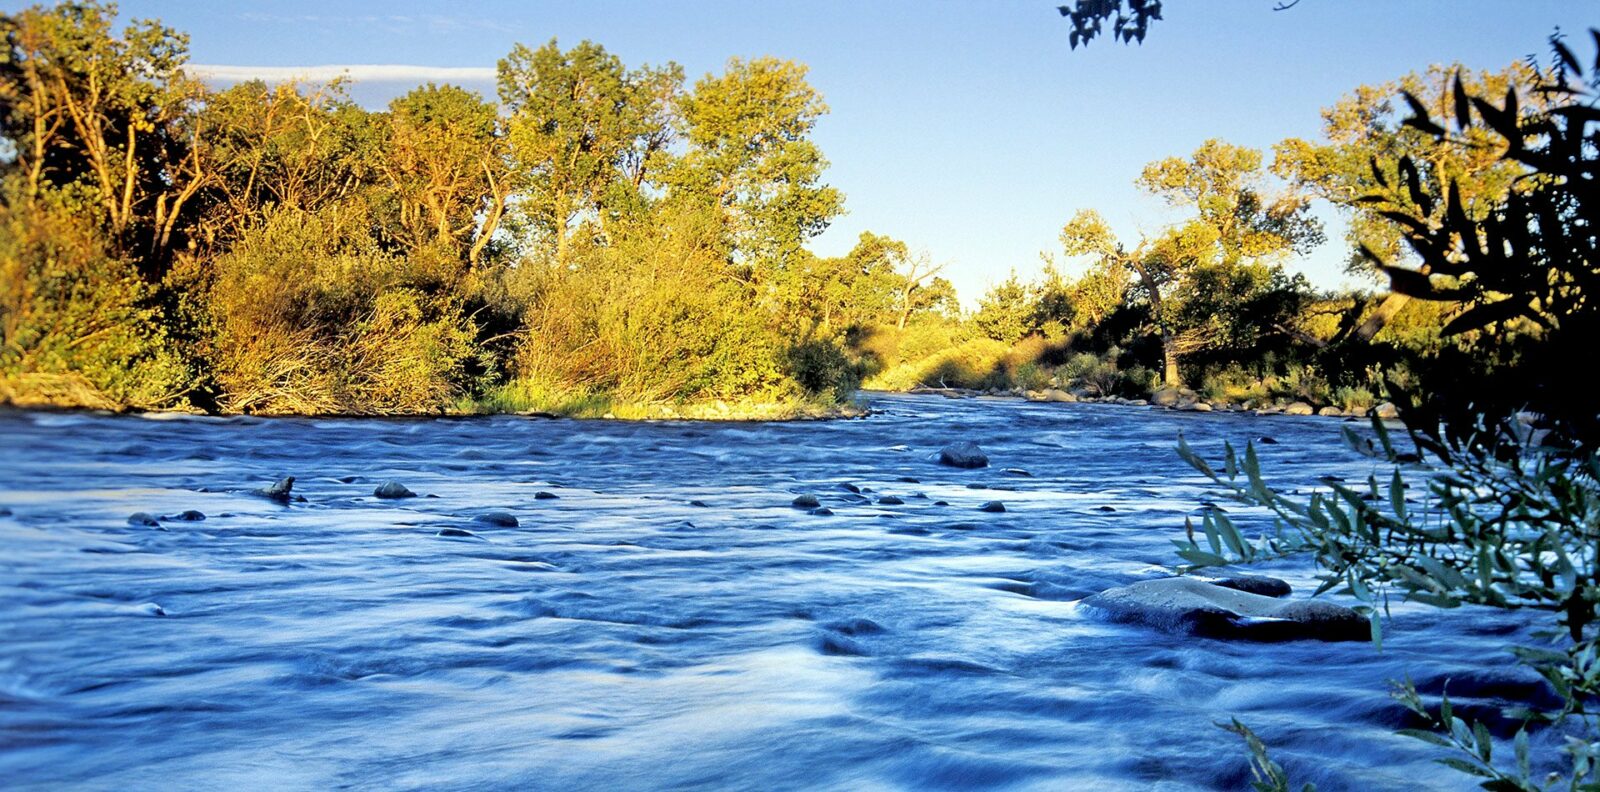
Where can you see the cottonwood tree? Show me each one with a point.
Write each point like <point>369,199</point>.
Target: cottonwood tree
<point>584,133</point>
<point>750,154</point>
<point>103,116</point>
<point>1364,141</point>
<point>442,154</point>
<point>1222,258</point>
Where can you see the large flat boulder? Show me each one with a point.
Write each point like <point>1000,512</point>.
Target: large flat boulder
<point>1187,605</point>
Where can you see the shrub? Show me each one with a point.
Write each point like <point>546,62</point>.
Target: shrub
<point>312,316</point>
<point>76,324</point>
<point>821,368</point>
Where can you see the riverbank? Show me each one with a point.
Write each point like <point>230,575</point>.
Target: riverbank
<point>1181,399</point>
<point>68,394</point>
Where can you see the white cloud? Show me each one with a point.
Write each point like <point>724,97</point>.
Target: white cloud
<point>359,72</point>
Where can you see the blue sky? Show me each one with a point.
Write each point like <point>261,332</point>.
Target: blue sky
<point>969,129</point>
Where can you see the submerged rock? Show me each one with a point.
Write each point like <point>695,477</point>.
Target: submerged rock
<point>393,489</point>
<point>805,502</point>
<point>498,519</point>
<point>993,506</point>
<point>542,495</point>
<point>143,520</point>
<point>821,511</point>
<point>965,454</point>
<point>187,515</point>
<point>1017,472</point>
<point>890,500</point>
<point>280,492</point>
<point>457,533</point>
<point>1188,605</point>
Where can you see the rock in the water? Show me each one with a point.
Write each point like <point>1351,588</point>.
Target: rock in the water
<point>1166,397</point>
<point>1017,472</point>
<point>393,489</point>
<point>805,502</point>
<point>1298,408</point>
<point>993,506</point>
<point>542,495</point>
<point>851,488</point>
<point>1252,584</point>
<point>497,518</point>
<point>1330,412</point>
<point>965,454</point>
<point>280,492</point>
<point>152,609</point>
<point>821,511</point>
<point>457,533</point>
<point>909,480</point>
<point>1386,411</point>
<point>187,515</point>
<point>890,500</point>
<point>5,511</point>
<point>941,503</point>
<point>1264,440</point>
<point>1183,604</point>
<point>143,520</point>
<point>699,504</point>
<point>1105,508</point>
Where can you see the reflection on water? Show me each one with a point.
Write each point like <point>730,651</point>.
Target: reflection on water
<point>667,621</point>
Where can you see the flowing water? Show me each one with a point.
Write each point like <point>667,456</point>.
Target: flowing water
<point>668,620</point>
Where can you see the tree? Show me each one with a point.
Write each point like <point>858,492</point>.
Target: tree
<point>89,110</point>
<point>751,156</point>
<point>584,133</point>
<point>442,155</point>
<point>1229,249</point>
<point>1365,140</point>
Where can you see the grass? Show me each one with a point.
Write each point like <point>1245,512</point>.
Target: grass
<point>526,397</point>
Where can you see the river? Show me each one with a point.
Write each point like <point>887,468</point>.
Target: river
<point>667,620</point>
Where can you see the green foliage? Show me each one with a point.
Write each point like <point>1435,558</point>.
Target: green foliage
<point>312,316</point>
<point>76,324</point>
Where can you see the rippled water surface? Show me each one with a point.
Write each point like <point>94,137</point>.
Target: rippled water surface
<point>668,620</point>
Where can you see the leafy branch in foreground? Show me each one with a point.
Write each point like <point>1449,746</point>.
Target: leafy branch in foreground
<point>1511,517</point>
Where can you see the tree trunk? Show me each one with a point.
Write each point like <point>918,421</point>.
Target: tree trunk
<point>1380,317</point>
<point>1169,362</point>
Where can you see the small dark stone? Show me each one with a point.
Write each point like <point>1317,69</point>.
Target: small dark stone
<point>189,515</point>
<point>280,492</point>
<point>805,502</point>
<point>1017,472</point>
<point>5,511</point>
<point>1105,508</point>
<point>965,454</point>
<point>976,485</point>
<point>821,511</point>
<point>457,533</point>
<point>542,495</point>
<point>993,506</point>
<point>143,520</point>
<point>848,487</point>
<point>497,518</point>
<point>349,479</point>
<point>1264,440</point>
<point>699,503</point>
<point>941,503</point>
<point>393,489</point>
<point>909,480</point>
<point>890,500</point>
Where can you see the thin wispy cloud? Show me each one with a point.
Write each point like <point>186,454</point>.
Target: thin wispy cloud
<point>359,72</point>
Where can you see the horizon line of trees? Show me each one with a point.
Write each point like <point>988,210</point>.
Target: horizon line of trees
<point>619,233</point>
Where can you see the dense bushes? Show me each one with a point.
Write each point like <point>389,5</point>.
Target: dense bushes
<point>77,324</point>
<point>311,316</point>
